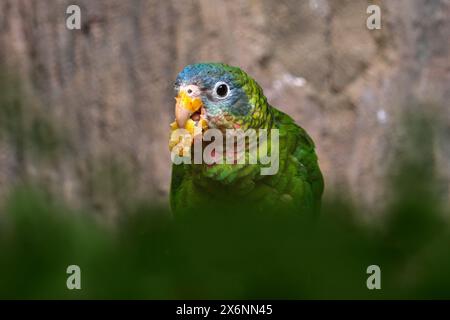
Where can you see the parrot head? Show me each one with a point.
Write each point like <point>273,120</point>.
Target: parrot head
<point>217,95</point>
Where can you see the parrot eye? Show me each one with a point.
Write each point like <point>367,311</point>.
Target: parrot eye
<point>221,89</point>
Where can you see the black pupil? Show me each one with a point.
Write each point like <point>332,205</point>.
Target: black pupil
<point>222,90</point>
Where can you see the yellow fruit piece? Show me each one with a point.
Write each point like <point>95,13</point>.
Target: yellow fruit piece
<point>190,126</point>
<point>184,142</point>
<point>203,124</point>
<point>180,144</point>
<point>174,126</point>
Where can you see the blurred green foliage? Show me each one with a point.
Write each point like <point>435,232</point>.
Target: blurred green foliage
<point>221,253</point>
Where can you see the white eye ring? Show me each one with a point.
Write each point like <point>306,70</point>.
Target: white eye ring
<point>221,90</point>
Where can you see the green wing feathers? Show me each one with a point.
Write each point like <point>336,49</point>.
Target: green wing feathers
<point>301,177</point>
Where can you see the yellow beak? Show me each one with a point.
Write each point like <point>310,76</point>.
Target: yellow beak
<point>185,107</point>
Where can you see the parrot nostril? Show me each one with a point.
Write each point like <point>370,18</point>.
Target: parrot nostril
<point>191,90</point>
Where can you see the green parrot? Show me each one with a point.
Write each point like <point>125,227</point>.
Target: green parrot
<point>219,96</point>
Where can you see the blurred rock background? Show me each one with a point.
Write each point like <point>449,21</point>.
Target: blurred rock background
<point>86,112</point>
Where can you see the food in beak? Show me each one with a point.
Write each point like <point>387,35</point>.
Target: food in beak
<point>189,115</point>
<point>185,107</point>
